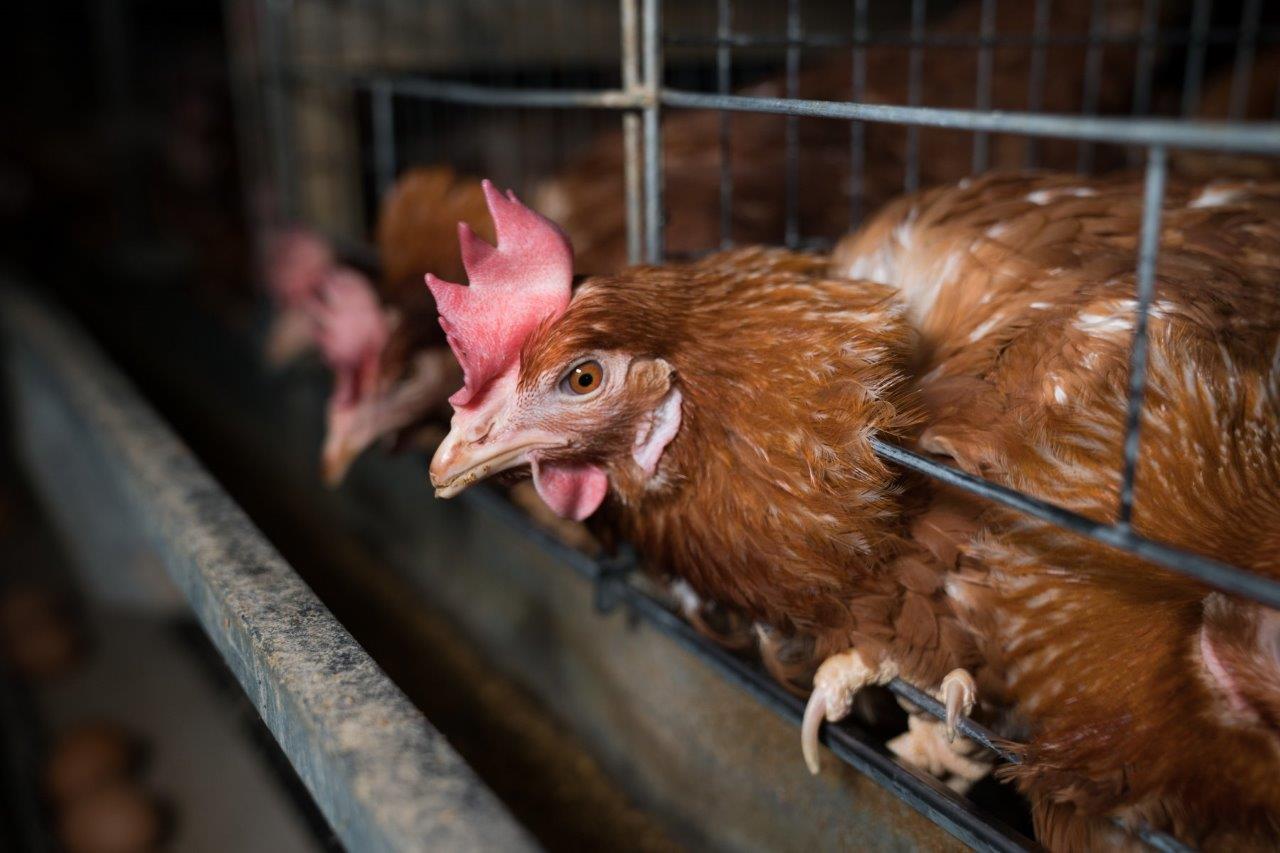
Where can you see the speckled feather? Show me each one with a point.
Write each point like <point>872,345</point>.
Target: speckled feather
<point>1023,288</point>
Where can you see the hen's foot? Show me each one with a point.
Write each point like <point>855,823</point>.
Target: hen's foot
<point>958,764</point>
<point>932,744</point>
<point>958,694</point>
<point>836,682</point>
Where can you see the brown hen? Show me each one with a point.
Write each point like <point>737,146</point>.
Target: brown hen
<point>1145,696</point>
<point>720,412</point>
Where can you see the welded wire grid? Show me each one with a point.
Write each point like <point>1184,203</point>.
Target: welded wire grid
<point>643,96</point>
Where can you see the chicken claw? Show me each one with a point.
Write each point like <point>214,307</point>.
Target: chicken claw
<point>834,685</point>
<point>958,694</point>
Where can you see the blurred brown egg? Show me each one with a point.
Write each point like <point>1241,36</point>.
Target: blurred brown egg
<point>24,607</point>
<point>87,757</point>
<point>45,650</point>
<point>120,818</point>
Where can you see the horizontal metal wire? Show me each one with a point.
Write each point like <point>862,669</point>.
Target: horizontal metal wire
<point>1251,137</point>
<point>948,40</point>
<point>1254,137</point>
<point>1217,574</point>
<point>449,91</point>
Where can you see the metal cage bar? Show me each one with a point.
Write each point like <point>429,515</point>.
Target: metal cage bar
<point>1193,76</point>
<point>1036,76</point>
<point>724,77</point>
<point>982,86</point>
<point>1152,201</point>
<point>1245,47</point>
<point>906,39</point>
<point>857,129</point>
<point>915,73</point>
<point>384,138</point>
<point>1092,79</point>
<point>791,213</point>
<point>651,29</point>
<point>633,177</point>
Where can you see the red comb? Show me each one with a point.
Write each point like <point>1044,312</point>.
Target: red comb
<point>514,286</point>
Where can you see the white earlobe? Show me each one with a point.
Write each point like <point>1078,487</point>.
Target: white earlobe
<point>657,432</point>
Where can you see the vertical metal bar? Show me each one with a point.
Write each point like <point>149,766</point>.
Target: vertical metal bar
<point>724,73</point>
<point>857,129</point>
<point>915,68</point>
<point>632,177</point>
<point>278,108</point>
<point>1036,75</point>
<point>384,136</point>
<point>1145,66</point>
<point>982,95</point>
<point>651,27</point>
<point>795,32</point>
<point>1244,59</point>
<point>1092,78</point>
<point>1149,246</point>
<point>1146,57</point>
<point>1195,57</point>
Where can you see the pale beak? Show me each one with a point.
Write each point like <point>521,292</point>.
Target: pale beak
<point>347,437</point>
<point>459,461</point>
<point>292,333</point>
<point>336,461</point>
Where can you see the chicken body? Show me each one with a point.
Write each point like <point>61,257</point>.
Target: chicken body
<point>735,456</point>
<point>1144,695</point>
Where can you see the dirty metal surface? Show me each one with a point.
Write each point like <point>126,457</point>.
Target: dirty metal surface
<point>382,775</point>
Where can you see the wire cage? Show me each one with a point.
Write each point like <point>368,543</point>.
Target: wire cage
<point>857,102</point>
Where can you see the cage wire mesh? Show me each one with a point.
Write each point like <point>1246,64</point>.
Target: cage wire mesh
<point>783,123</point>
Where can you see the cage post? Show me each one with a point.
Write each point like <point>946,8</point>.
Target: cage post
<point>1145,65</point>
<point>795,32</point>
<point>1092,78</point>
<point>1149,246</point>
<point>1244,59</point>
<point>1194,74</point>
<point>279,115</point>
<point>982,95</point>
<point>915,73</point>
<point>1036,75</point>
<point>384,140</point>
<point>858,129</point>
<point>651,32</point>
<point>632,177</point>
<point>724,76</point>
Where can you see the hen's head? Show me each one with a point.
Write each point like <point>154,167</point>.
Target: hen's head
<point>298,261</point>
<point>560,397</point>
<point>368,400</point>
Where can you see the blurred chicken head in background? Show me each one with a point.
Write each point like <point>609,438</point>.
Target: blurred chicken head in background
<point>298,262</point>
<point>369,400</point>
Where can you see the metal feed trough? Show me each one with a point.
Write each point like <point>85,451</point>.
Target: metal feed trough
<point>394,783</point>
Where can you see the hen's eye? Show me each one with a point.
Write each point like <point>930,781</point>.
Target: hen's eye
<point>584,378</point>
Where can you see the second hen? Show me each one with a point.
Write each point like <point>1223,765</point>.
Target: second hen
<point>1145,696</point>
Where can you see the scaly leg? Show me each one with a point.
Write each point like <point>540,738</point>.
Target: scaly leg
<point>834,685</point>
